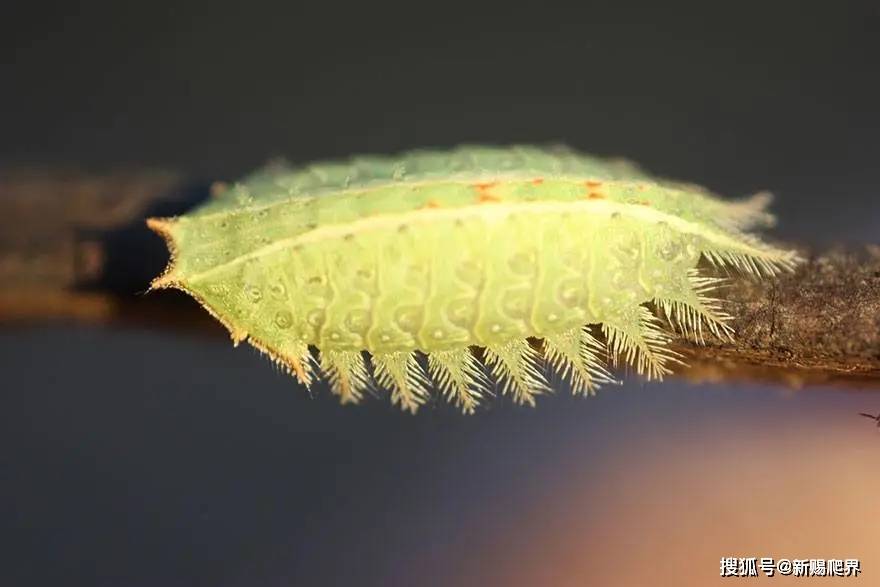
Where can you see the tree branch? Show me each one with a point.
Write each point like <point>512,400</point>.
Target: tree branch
<point>73,245</point>
<point>820,324</point>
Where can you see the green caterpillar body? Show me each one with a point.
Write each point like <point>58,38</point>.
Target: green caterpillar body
<point>437,252</point>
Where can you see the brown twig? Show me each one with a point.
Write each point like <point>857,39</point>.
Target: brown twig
<point>820,324</point>
<point>73,245</point>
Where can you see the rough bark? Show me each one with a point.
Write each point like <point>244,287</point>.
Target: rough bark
<point>73,245</point>
<point>819,324</point>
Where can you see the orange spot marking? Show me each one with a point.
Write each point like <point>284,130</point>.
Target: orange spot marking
<point>431,204</point>
<point>538,181</point>
<point>217,188</point>
<point>484,195</point>
<point>643,203</point>
<point>594,190</point>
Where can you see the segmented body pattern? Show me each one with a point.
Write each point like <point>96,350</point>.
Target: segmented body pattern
<point>377,261</point>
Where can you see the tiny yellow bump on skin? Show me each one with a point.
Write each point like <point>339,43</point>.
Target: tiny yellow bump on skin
<point>474,258</point>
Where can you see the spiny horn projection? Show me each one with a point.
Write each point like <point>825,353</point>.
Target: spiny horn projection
<point>639,341</point>
<point>574,355</point>
<point>347,374</point>
<point>517,368</point>
<point>404,376</point>
<point>692,307</point>
<point>459,376</point>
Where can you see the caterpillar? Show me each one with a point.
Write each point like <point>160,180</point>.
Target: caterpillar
<point>467,270</point>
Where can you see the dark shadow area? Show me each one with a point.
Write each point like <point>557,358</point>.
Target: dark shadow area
<point>133,255</point>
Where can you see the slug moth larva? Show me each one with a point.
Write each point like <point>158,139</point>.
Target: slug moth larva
<point>376,261</point>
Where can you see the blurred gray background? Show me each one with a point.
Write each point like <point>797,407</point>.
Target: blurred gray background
<point>131,457</point>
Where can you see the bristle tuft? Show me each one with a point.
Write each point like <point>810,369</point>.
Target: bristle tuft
<point>402,373</point>
<point>640,342</point>
<point>458,375</point>
<point>347,374</point>
<point>573,355</point>
<point>516,367</point>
